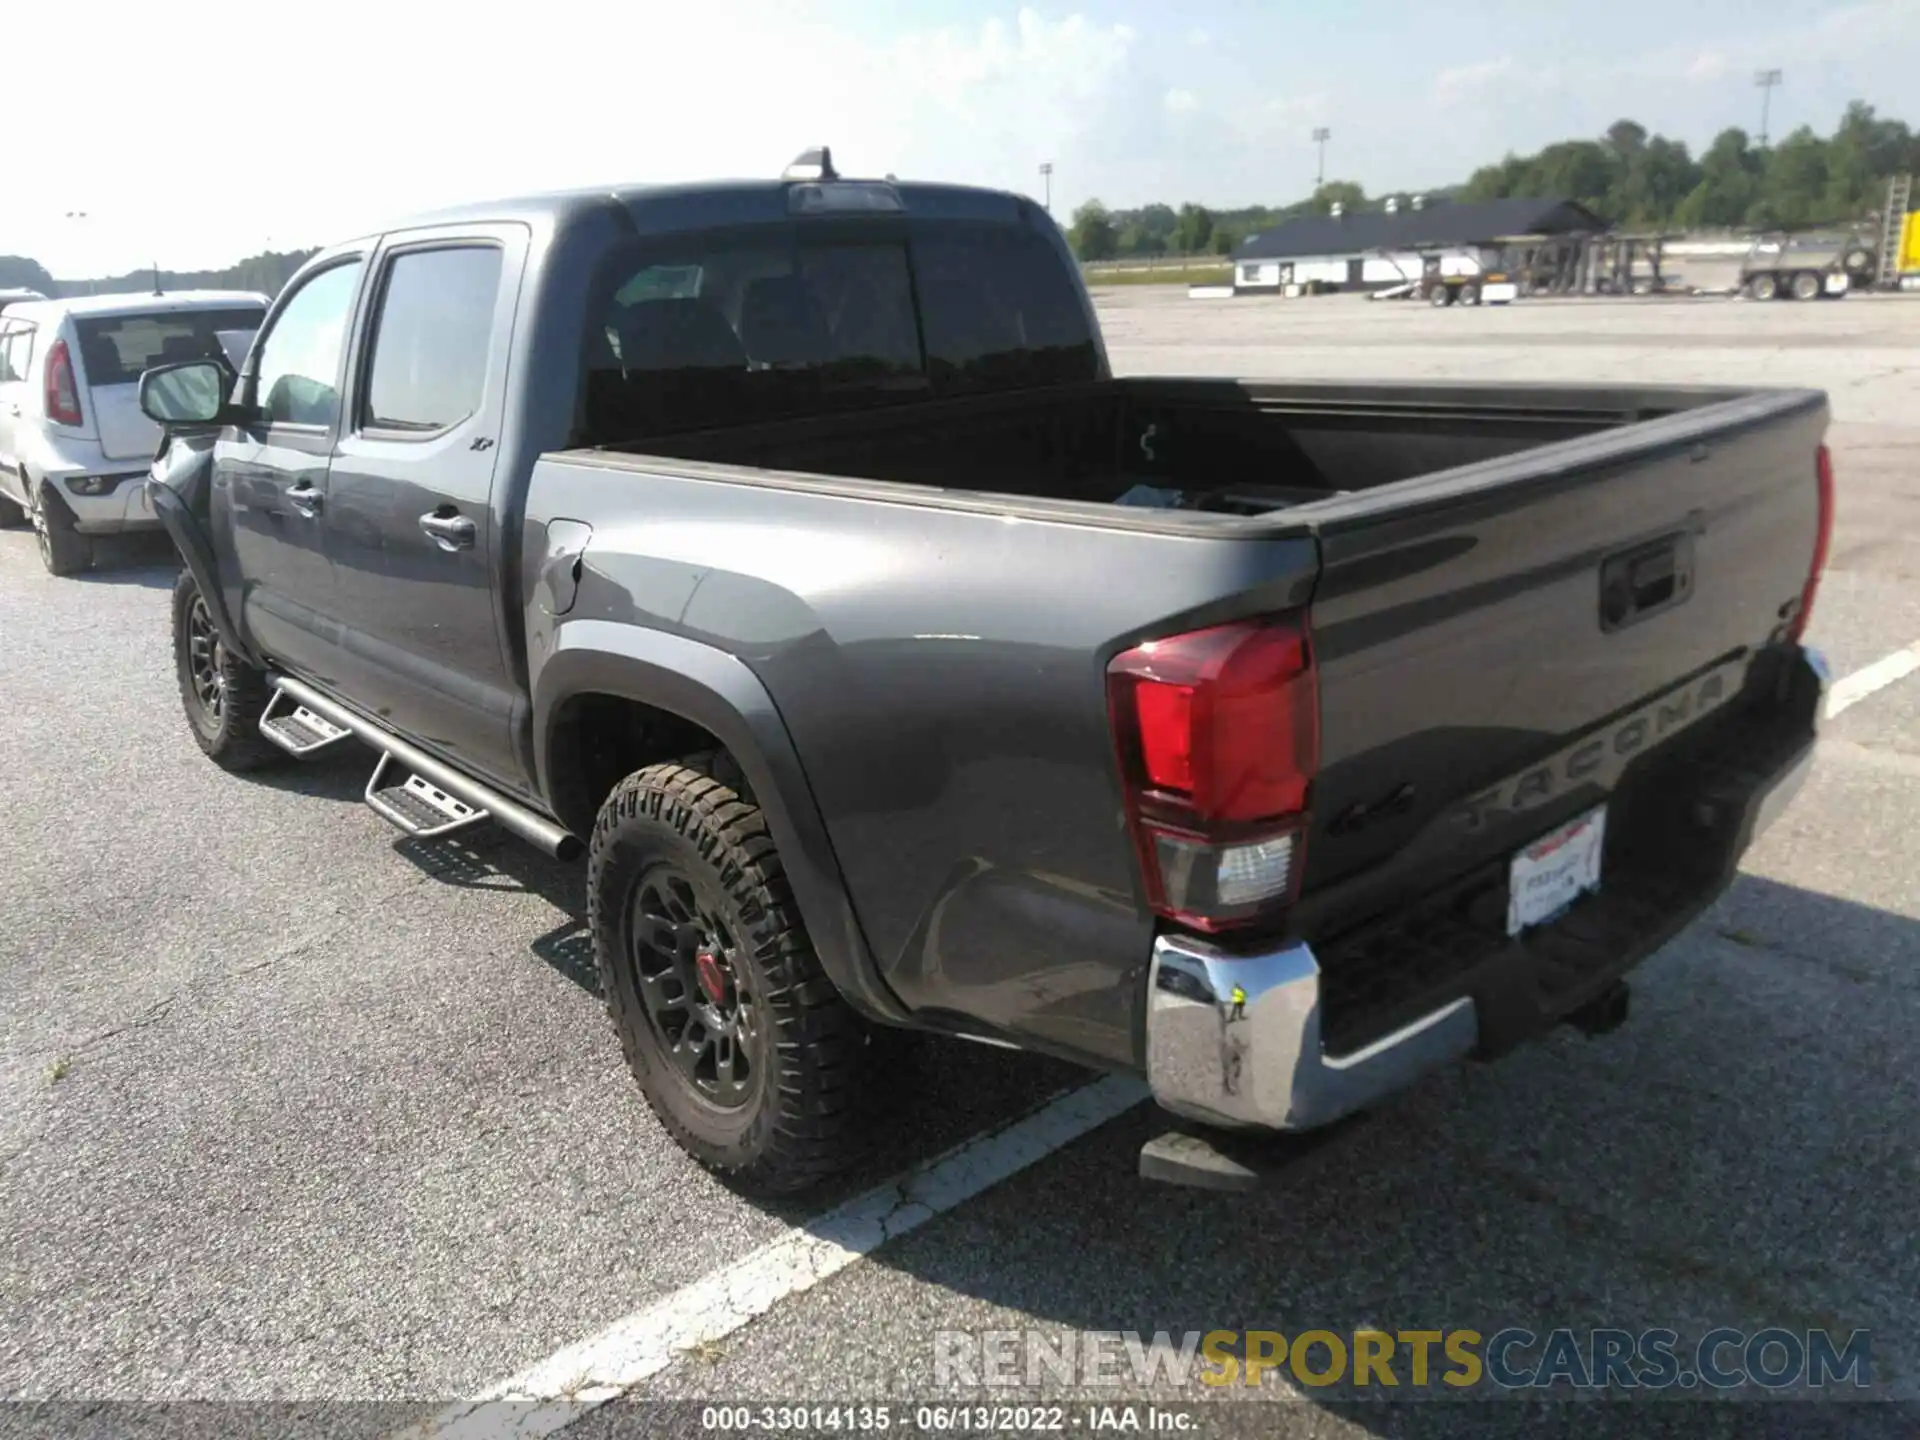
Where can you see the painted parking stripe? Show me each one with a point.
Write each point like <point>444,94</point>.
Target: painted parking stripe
<point>1877,676</point>
<point>568,1384</point>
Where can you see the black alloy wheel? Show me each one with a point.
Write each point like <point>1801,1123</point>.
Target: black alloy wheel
<point>695,990</point>
<point>206,661</point>
<point>222,695</point>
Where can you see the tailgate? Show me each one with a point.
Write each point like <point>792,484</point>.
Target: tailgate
<point>116,349</point>
<point>125,434</point>
<point>1496,643</point>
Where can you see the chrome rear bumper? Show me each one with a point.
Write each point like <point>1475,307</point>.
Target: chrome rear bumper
<point>1234,1039</point>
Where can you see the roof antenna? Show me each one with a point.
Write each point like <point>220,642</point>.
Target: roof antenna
<point>156,277</point>
<point>815,164</point>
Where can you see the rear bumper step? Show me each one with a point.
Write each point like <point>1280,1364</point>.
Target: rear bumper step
<point>435,799</point>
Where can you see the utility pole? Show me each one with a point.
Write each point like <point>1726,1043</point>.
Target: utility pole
<point>1321,135</point>
<point>1766,80</point>
<point>1046,174</point>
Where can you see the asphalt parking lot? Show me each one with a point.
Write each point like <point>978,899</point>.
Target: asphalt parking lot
<point>293,1110</point>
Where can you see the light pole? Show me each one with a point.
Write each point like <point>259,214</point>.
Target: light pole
<point>1321,135</point>
<point>1766,80</point>
<point>1046,175</point>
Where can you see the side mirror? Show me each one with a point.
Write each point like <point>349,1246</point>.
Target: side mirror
<point>191,392</point>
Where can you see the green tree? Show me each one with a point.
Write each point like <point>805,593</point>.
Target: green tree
<point>1158,221</point>
<point>1579,170</point>
<point>1658,178</point>
<point>1225,242</point>
<point>1195,229</point>
<point>1729,183</point>
<point>1349,196</point>
<point>1864,151</point>
<point>1137,239</point>
<point>1496,182</point>
<point>17,272</point>
<point>1626,138</point>
<point>1092,233</point>
<point>1793,184</point>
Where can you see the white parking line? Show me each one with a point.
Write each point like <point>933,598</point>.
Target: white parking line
<point>1877,676</point>
<point>560,1389</point>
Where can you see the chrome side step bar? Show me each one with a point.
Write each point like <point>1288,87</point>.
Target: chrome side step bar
<point>418,807</point>
<point>299,731</point>
<point>434,799</point>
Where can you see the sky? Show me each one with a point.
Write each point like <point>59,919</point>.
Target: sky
<point>193,136</point>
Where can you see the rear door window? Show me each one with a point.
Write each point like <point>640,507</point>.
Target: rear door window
<point>429,367</point>
<point>16,352</point>
<point>115,349</point>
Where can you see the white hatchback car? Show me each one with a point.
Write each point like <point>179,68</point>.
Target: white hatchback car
<point>73,443</point>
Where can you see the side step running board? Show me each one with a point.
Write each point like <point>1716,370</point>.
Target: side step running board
<point>299,731</point>
<point>434,799</point>
<point>418,807</point>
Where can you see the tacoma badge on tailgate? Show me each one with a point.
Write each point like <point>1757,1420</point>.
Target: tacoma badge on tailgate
<point>1599,757</point>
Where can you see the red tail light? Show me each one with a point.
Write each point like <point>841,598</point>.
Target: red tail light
<point>1822,542</point>
<point>63,396</point>
<point>1219,737</point>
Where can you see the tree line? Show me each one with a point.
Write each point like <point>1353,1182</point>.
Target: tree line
<point>1631,177</point>
<point>264,273</point>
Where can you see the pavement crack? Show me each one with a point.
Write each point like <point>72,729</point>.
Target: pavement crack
<point>1748,940</point>
<point>159,1010</point>
<point>152,1015</point>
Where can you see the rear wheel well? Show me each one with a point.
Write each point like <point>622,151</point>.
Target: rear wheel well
<point>598,740</point>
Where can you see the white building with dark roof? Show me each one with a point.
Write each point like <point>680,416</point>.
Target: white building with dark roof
<point>1397,243</point>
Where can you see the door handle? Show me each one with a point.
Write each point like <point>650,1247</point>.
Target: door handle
<point>307,500</point>
<point>449,531</point>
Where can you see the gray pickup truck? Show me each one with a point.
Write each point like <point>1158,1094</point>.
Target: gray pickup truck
<point>789,548</point>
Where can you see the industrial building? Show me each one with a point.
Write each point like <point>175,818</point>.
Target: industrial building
<point>1404,241</point>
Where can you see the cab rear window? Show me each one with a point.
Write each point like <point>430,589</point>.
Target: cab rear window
<point>768,322</point>
<point>114,349</point>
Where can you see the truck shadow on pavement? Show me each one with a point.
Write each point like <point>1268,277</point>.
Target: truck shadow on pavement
<point>940,1092</point>
<point>334,775</point>
<point>1738,1154</point>
<point>149,561</point>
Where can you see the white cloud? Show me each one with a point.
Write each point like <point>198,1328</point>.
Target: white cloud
<point>1451,86</point>
<point>728,87</point>
<point>1708,65</point>
<point>1199,39</point>
<point>1181,102</point>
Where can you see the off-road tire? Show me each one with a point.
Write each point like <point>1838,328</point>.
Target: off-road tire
<point>1807,285</point>
<point>1440,296</point>
<point>63,549</point>
<point>806,1118</point>
<point>12,514</point>
<point>1469,294</point>
<point>229,734</point>
<point>1764,287</point>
